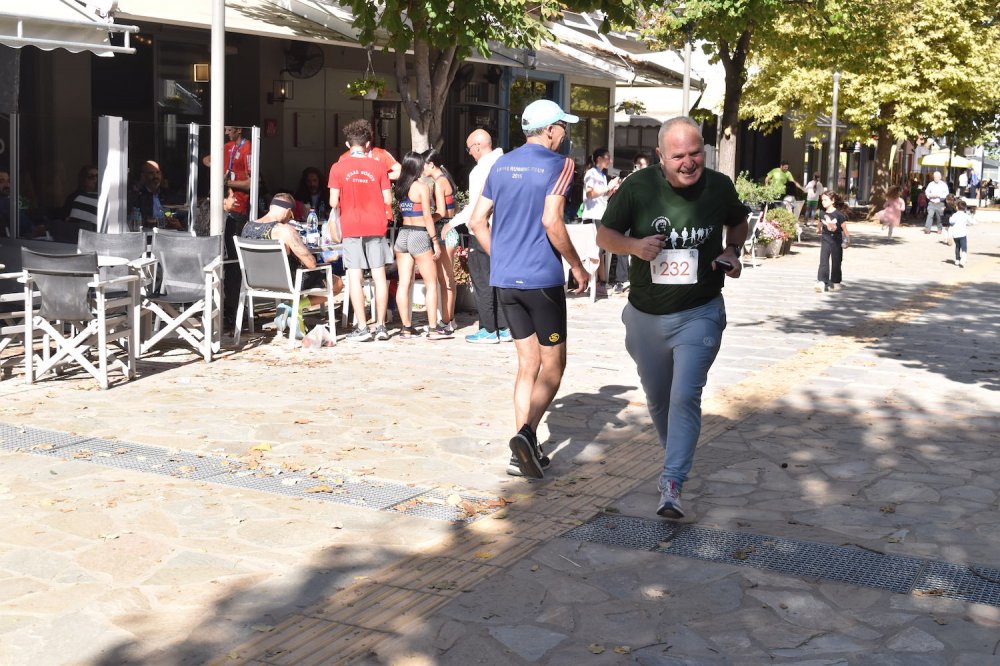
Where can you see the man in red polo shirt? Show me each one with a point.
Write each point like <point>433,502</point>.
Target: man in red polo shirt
<point>359,188</point>
<point>236,156</point>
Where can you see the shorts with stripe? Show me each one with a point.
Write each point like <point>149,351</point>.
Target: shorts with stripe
<point>540,312</point>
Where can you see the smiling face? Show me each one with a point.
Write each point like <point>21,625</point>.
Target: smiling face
<point>682,155</point>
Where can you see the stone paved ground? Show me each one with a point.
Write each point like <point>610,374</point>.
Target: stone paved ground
<point>866,417</point>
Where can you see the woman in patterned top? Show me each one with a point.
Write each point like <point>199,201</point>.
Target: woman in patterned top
<point>416,243</point>
<point>444,209</point>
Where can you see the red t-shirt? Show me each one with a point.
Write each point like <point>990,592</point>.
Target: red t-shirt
<point>360,181</point>
<point>237,156</point>
<point>382,155</point>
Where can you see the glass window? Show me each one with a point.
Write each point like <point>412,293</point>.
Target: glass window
<point>522,93</point>
<point>593,105</point>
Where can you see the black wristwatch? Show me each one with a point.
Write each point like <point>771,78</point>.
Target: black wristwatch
<point>735,247</point>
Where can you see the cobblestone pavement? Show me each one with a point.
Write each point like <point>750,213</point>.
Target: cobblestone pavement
<point>862,421</point>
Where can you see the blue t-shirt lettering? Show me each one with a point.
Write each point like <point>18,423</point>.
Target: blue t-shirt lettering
<point>521,255</point>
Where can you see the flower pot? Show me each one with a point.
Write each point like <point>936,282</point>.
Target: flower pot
<point>773,248</point>
<point>786,246</point>
<point>371,94</point>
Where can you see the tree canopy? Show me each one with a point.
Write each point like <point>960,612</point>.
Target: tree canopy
<point>441,34</point>
<point>907,69</point>
<point>731,31</point>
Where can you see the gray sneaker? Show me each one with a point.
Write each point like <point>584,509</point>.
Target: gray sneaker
<point>359,335</point>
<point>670,502</point>
<point>381,333</point>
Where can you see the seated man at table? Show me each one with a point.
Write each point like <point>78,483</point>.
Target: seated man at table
<point>147,194</point>
<point>275,226</point>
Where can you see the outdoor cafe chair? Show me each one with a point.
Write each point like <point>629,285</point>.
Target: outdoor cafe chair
<point>750,244</point>
<point>80,314</point>
<point>267,274</point>
<point>186,299</point>
<point>12,314</point>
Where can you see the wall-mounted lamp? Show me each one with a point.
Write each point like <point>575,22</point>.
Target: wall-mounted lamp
<point>202,72</point>
<point>283,90</point>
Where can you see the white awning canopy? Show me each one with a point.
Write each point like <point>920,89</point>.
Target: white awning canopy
<point>74,25</point>
<point>250,17</point>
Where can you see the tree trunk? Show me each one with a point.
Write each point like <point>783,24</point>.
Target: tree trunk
<point>734,63</point>
<point>880,179</point>
<point>434,71</point>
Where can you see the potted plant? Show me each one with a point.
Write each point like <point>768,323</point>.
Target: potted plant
<point>786,221</point>
<point>632,107</point>
<point>367,87</point>
<point>750,192</point>
<point>770,235</point>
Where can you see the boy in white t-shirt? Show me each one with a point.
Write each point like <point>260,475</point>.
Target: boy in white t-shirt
<point>960,222</point>
<point>814,188</point>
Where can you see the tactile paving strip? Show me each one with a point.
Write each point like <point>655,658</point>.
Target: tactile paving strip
<point>843,564</point>
<point>357,491</point>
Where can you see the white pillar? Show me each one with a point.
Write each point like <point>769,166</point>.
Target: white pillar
<point>216,145</point>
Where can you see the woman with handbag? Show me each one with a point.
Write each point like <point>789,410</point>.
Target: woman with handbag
<point>832,227</point>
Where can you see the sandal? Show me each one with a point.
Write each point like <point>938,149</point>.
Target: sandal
<point>407,332</point>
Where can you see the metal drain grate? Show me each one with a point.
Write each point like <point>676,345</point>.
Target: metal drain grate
<point>363,492</point>
<point>967,583</point>
<point>855,566</point>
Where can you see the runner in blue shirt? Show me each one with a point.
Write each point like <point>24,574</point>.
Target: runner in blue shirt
<point>526,193</point>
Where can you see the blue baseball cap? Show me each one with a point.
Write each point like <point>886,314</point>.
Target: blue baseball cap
<point>544,112</point>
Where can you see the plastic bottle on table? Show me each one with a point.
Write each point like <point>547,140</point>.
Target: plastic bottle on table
<point>312,228</point>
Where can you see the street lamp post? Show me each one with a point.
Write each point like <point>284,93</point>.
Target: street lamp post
<point>686,90</point>
<point>832,171</point>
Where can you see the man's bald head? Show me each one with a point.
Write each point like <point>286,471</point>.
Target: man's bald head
<point>478,143</point>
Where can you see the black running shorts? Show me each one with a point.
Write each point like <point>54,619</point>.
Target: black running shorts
<point>535,311</point>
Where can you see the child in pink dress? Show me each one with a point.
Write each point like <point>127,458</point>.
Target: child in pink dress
<point>892,213</point>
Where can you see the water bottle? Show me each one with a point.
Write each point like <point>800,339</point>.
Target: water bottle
<point>312,228</point>
<point>135,219</point>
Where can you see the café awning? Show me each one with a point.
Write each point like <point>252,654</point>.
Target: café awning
<point>75,25</point>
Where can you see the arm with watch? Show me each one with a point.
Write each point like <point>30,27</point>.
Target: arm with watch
<point>736,236</point>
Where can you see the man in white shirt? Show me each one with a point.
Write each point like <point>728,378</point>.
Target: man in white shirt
<point>936,192</point>
<point>492,324</point>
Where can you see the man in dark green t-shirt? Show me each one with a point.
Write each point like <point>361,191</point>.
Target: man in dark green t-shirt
<point>674,214</point>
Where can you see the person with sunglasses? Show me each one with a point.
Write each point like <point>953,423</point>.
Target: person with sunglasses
<point>526,194</point>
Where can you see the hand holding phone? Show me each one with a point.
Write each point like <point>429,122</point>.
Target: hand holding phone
<point>723,265</point>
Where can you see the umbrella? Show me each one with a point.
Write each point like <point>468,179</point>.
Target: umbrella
<point>939,158</point>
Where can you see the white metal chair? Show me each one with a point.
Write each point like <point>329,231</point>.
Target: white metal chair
<point>268,274</point>
<point>750,244</point>
<point>584,240</point>
<point>187,302</point>
<point>80,314</point>
<point>12,315</point>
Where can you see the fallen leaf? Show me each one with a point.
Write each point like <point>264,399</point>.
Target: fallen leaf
<point>44,447</point>
<point>454,499</point>
<point>264,446</point>
<point>623,649</point>
<point>888,508</point>
<point>535,567</point>
<point>321,488</point>
<point>744,553</point>
<point>666,544</point>
<point>82,454</point>
<point>484,555</point>
<point>121,450</point>
<point>595,648</point>
<point>444,585</point>
<point>263,628</point>
<point>302,421</point>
